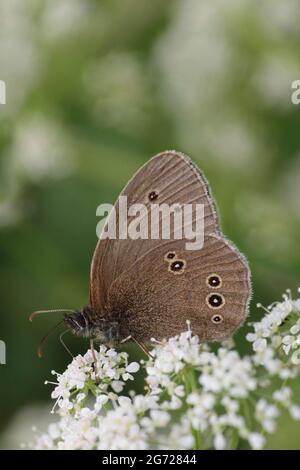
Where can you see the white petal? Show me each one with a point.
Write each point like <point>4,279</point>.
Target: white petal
<point>219,442</point>
<point>256,441</point>
<point>133,367</point>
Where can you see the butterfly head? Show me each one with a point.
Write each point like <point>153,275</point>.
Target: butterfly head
<point>84,323</point>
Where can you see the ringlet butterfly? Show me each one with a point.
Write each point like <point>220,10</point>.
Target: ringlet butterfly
<point>148,288</point>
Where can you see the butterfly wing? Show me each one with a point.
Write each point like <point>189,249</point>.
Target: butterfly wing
<point>174,179</point>
<point>209,287</point>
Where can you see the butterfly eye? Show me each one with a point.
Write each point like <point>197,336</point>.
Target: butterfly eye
<point>214,281</point>
<point>177,266</point>
<point>171,255</point>
<point>215,300</point>
<point>152,196</point>
<point>217,319</point>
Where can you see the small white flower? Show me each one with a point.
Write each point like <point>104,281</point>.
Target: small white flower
<point>219,442</point>
<point>256,441</point>
<point>159,418</point>
<point>124,401</point>
<point>295,359</point>
<point>101,400</point>
<point>80,397</point>
<point>295,412</point>
<point>133,367</point>
<point>117,386</point>
<point>260,345</point>
<point>295,328</point>
<point>283,395</point>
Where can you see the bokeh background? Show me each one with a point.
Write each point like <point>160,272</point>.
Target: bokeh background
<point>94,89</point>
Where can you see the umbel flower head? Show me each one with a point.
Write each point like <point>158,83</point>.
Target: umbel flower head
<point>195,398</point>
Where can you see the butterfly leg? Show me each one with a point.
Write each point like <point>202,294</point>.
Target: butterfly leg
<point>128,338</point>
<point>142,347</point>
<point>63,343</point>
<point>94,357</point>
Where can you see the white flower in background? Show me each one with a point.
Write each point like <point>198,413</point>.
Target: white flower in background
<point>195,398</point>
<point>289,187</point>
<point>10,213</point>
<point>295,412</point>
<point>256,441</point>
<point>266,414</point>
<point>39,150</point>
<point>62,18</point>
<point>208,80</point>
<point>273,80</point>
<point>283,17</point>
<point>19,54</point>
<point>220,442</point>
<point>197,78</point>
<point>283,395</point>
<point>118,88</point>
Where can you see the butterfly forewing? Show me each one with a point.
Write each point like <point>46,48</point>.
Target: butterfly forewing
<point>175,179</point>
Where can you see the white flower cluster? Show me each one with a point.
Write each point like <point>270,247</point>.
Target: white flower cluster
<point>82,378</point>
<point>195,398</point>
<point>276,338</point>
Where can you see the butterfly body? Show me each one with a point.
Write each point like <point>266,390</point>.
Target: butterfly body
<point>145,288</point>
<point>83,323</point>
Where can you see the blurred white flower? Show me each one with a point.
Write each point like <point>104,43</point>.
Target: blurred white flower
<point>256,441</point>
<point>10,213</point>
<point>282,17</point>
<point>266,414</point>
<point>19,54</point>
<point>199,78</point>
<point>283,395</point>
<point>295,412</point>
<point>220,442</point>
<point>273,80</point>
<point>39,150</point>
<point>118,89</point>
<point>289,187</point>
<point>62,18</point>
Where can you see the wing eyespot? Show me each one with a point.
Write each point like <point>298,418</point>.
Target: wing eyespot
<point>215,301</point>
<point>170,256</point>
<point>177,267</point>
<point>216,319</point>
<point>214,281</point>
<point>152,196</point>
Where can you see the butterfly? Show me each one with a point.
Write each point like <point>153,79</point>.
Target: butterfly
<point>149,288</point>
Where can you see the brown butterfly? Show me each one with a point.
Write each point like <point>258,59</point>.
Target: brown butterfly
<point>143,289</point>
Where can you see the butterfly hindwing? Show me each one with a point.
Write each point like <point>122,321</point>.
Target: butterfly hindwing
<point>158,295</point>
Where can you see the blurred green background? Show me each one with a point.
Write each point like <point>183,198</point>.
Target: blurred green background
<point>94,89</point>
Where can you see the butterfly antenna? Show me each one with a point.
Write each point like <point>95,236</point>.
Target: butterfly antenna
<point>40,345</point>
<point>40,312</point>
